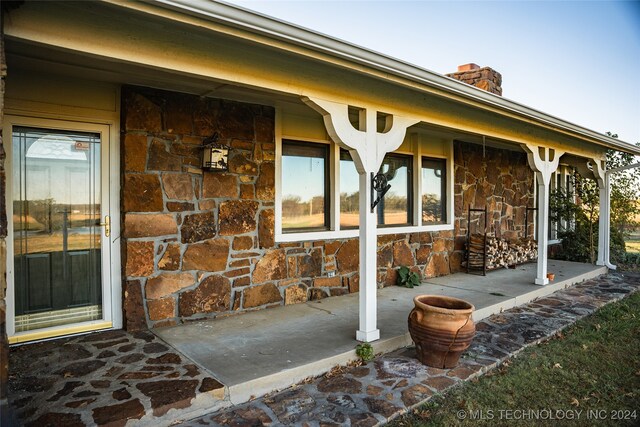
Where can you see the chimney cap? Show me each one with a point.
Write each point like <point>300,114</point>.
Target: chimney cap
<point>468,67</point>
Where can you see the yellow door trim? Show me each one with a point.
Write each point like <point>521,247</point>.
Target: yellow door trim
<point>40,335</point>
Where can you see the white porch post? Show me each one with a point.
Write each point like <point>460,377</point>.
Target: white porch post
<point>541,161</point>
<point>368,329</point>
<point>602,178</point>
<point>367,148</point>
<point>604,230</point>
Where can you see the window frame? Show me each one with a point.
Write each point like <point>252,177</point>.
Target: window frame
<point>327,185</point>
<point>340,151</point>
<point>410,191</point>
<point>561,176</point>
<point>416,145</point>
<point>443,188</point>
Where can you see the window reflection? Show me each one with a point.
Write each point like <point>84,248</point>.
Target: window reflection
<point>394,209</point>
<point>304,186</point>
<point>56,237</point>
<point>434,210</point>
<point>349,186</point>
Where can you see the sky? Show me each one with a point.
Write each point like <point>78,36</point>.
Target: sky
<point>576,60</point>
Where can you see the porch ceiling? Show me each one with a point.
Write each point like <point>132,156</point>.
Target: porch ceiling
<point>24,57</point>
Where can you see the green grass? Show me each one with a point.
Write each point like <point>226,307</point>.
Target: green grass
<point>632,245</point>
<point>594,365</point>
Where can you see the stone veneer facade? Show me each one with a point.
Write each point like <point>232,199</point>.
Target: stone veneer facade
<point>202,245</point>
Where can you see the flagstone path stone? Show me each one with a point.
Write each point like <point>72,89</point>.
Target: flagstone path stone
<point>395,383</point>
<point>76,382</point>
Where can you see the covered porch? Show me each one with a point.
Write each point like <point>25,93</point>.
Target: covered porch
<point>259,352</point>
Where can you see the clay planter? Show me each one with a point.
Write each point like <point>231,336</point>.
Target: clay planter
<point>442,328</point>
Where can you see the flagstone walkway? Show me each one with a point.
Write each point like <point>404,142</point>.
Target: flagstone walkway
<point>392,384</point>
<point>106,378</point>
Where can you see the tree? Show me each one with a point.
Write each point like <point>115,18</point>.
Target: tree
<point>625,191</point>
<point>582,212</point>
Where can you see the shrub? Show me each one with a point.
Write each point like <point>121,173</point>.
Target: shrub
<point>408,278</point>
<point>365,351</point>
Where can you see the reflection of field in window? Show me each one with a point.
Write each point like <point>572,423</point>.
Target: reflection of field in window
<point>433,191</point>
<point>303,187</point>
<point>395,204</point>
<point>349,195</point>
<point>392,210</point>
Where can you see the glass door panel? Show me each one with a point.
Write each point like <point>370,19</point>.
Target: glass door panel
<point>57,234</point>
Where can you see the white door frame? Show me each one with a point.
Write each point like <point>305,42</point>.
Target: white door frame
<point>111,271</point>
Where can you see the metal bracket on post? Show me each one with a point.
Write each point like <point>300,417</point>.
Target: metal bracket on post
<point>380,185</point>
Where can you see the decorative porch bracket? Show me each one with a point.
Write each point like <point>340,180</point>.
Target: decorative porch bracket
<point>544,161</point>
<point>367,148</point>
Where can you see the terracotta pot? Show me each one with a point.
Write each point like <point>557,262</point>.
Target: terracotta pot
<point>442,328</point>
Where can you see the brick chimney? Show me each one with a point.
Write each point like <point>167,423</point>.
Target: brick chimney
<point>485,78</point>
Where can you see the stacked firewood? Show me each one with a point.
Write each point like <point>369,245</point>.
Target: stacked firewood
<point>499,252</point>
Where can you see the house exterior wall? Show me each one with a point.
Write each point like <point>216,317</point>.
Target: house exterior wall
<point>202,245</point>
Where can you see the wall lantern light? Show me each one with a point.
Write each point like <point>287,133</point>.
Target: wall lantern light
<point>215,156</point>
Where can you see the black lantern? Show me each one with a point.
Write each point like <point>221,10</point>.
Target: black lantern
<point>215,156</point>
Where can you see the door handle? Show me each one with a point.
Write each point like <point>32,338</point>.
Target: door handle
<point>107,225</point>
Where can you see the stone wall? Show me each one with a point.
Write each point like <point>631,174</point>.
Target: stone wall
<point>191,240</point>
<point>499,179</point>
<point>202,245</point>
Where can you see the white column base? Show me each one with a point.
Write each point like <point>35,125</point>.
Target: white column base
<point>606,264</point>
<point>368,336</point>
<point>541,282</point>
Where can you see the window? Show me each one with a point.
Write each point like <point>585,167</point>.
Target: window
<point>349,192</point>
<point>434,191</point>
<point>561,194</point>
<point>318,188</point>
<point>305,187</point>
<point>394,209</point>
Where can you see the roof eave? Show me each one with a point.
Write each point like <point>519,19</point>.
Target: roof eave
<point>264,25</point>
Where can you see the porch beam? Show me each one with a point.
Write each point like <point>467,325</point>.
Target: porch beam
<point>543,161</point>
<point>368,148</point>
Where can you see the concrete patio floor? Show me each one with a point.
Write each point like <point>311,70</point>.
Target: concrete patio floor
<point>257,353</point>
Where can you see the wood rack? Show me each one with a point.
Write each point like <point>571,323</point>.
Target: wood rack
<point>477,248</point>
<point>487,252</point>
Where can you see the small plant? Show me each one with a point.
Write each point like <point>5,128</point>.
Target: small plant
<point>364,351</point>
<point>408,278</point>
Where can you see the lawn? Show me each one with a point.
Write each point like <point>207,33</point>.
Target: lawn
<point>632,245</point>
<point>588,375</point>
